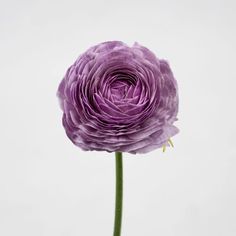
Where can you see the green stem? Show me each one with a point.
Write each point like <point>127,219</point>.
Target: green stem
<point>119,194</point>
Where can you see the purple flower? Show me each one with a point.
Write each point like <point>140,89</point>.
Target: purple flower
<point>119,98</point>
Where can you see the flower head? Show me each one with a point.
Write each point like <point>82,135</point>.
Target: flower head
<point>119,98</point>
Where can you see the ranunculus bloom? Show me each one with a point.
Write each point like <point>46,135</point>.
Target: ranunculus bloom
<point>119,98</point>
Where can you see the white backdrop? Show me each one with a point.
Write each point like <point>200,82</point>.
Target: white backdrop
<point>48,187</point>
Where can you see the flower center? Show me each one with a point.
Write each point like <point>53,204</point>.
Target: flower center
<point>119,90</point>
<point>120,87</point>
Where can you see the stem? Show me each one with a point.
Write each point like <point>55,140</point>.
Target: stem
<point>119,194</point>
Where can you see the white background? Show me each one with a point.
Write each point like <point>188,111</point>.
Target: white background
<point>49,187</point>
